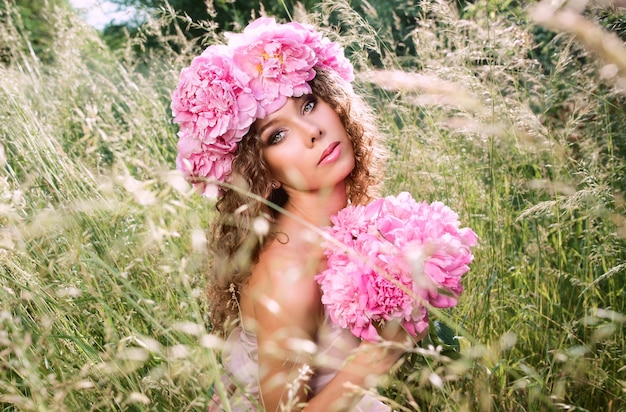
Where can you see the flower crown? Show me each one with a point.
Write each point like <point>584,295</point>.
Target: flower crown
<point>228,87</point>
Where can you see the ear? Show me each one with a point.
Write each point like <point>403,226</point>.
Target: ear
<point>275,185</point>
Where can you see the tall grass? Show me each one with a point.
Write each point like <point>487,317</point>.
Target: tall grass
<point>102,245</point>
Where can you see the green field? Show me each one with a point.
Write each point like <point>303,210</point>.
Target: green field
<point>517,122</point>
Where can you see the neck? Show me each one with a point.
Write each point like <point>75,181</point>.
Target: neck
<point>316,207</point>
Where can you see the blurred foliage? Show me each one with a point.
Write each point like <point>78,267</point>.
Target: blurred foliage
<point>393,20</point>
<point>34,22</point>
<point>226,15</point>
<point>198,18</point>
<point>613,19</point>
<point>95,237</point>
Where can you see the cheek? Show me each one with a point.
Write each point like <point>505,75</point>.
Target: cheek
<point>351,145</point>
<point>271,165</point>
<point>278,162</point>
<point>352,164</point>
<point>352,161</point>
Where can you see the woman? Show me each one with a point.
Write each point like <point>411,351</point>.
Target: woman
<point>274,112</point>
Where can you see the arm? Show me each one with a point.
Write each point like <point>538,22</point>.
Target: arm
<point>287,309</point>
<point>288,313</point>
<point>369,362</point>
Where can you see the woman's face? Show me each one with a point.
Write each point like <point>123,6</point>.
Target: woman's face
<point>305,145</point>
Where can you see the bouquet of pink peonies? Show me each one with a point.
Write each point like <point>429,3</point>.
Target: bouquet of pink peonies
<point>385,260</point>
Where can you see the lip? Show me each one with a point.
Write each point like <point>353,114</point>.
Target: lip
<point>330,154</point>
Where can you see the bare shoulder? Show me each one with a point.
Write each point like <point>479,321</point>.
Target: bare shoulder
<point>283,287</point>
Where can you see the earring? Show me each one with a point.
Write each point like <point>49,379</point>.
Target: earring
<point>274,185</point>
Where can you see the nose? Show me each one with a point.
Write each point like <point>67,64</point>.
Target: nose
<point>311,131</point>
<point>315,137</point>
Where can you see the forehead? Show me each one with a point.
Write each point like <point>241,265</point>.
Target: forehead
<point>291,103</point>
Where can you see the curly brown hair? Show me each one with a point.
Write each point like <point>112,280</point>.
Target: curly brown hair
<point>235,246</point>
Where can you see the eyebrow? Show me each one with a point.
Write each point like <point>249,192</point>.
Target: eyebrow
<point>267,126</point>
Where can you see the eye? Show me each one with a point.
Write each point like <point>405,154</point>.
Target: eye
<point>309,105</point>
<point>276,138</point>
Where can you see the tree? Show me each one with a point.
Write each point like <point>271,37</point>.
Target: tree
<point>226,15</point>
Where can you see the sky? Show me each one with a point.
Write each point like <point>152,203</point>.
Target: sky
<point>98,13</point>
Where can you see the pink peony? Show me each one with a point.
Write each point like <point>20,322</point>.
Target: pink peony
<point>401,255</point>
<point>352,222</point>
<point>331,56</point>
<point>205,164</point>
<point>345,296</point>
<point>277,59</point>
<point>213,108</point>
<point>210,101</point>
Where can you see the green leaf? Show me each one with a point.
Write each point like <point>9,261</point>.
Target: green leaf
<point>444,336</point>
